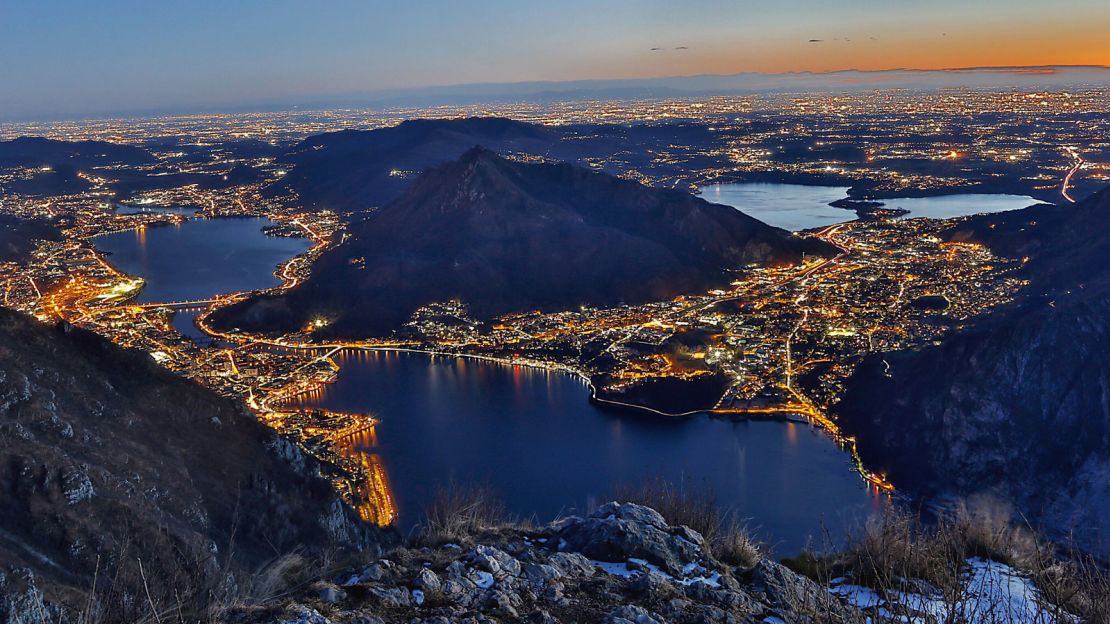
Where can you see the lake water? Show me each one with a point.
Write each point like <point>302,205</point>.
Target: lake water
<point>535,439</point>
<point>788,206</point>
<point>950,206</point>
<point>801,206</point>
<point>134,209</point>
<point>201,257</point>
<point>531,435</point>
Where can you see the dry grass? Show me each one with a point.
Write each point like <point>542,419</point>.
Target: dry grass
<point>457,514</point>
<point>899,546</point>
<point>728,538</point>
<point>1079,585</point>
<point>984,527</point>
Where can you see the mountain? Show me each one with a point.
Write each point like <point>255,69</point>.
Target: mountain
<point>59,180</point>
<point>507,236</point>
<point>1017,404</point>
<point>107,460</point>
<point>17,236</point>
<point>358,169</point>
<point>30,151</point>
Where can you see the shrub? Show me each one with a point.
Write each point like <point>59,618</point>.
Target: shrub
<point>456,514</point>
<point>728,539</point>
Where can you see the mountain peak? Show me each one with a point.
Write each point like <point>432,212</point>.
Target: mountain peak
<point>505,236</point>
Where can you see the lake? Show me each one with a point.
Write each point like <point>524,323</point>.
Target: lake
<point>534,438</point>
<point>951,206</point>
<point>200,258</point>
<point>801,206</point>
<point>531,435</point>
<point>788,206</point>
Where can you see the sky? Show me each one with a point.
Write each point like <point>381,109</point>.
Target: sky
<point>74,58</point>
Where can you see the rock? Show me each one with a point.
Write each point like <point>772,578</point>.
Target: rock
<point>22,601</point>
<point>790,592</point>
<point>332,594</point>
<point>305,615</point>
<point>480,578</point>
<point>495,561</point>
<point>632,614</point>
<point>539,574</point>
<point>373,572</point>
<point>616,532</point>
<point>76,485</point>
<point>571,564</point>
<point>504,604</point>
<point>427,580</point>
<point>395,597</point>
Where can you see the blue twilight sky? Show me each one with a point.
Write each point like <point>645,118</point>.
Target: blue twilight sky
<point>112,56</point>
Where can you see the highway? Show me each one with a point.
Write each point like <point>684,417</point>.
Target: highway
<point>1071,173</point>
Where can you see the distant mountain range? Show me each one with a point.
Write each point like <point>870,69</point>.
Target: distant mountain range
<point>1018,403</point>
<point>39,151</point>
<point>507,236</point>
<point>701,85</point>
<point>354,170</point>
<point>359,169</point>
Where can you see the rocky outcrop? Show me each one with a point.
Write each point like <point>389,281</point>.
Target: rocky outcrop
<point>621,564</point>
<point>617,532</point>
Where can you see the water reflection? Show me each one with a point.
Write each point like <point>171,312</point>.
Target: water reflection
<point>533,437</point>
<point>373,496</point>
<point>201,257</point>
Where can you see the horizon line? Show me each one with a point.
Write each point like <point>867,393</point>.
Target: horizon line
<point>394,93</point>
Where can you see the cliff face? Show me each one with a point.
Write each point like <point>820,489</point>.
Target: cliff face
<point>505,236</point>
<point>1019,403</point>
<point>107,460</point>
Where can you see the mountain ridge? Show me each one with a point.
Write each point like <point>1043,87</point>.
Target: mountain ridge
<point>506,236</point>
<point>1016,404</point>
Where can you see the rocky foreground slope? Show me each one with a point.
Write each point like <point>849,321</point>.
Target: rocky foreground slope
<point>123,486</point>
<point>624,564</point>
<point>621,564</point>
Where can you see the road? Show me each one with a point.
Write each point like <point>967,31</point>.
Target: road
<point>1071,173</point>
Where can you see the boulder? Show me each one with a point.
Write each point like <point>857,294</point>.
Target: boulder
<point>617,532</point>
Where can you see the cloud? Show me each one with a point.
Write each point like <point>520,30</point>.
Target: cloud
<point>816,40</point>
<point>682,48</point>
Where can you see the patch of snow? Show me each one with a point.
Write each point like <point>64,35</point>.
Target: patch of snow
<point>635,567</point>
<point>485,579</point>
<point>452,546</point>
<point>562,544</point>
<point>615,569</point>
<point>998,593</point>
<point>858,596</point>
<point>352,581</point>
<point>992,592</point>
<point>713,580</point>
<point>691,568</point>
<point>418,597</point>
